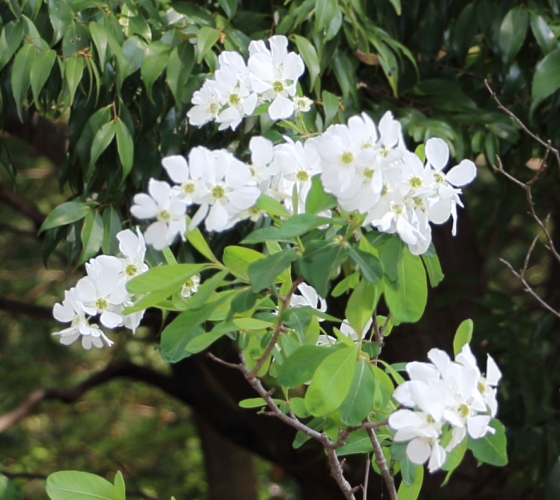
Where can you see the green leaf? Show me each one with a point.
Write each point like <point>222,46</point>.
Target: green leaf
<point>433,268</point>
<point>357,442</point>
<point>40,71</point>
<point>21,75</point>
<point>73,71</point>
<point>101,141</point>
<point>195,238</point>
<point>309,55</point>
<point>125,146</point>
<point>201,342</point>
<point>512,33</point>
<point>411,492</point>
<point>408,471</point>
<point>73,485</point>
<point>244,301</point>
<point>76,38</point>
<point>9,490</point>
<point>331,381</point>
<point>206,290</point>
<point>229,6</point>
<point>463,335</point>
<point>92,235</point>
<point>325,10</point>
<point>345,75</point>
<point>330,106</point>
<point>256,402</point>
<point>295,226</point>
<point>100,40</point>
<point>133,49</point>
<point>383,388</point>
<point>358,402</point>
<point>317,200</point>
<point>370,266</point>
<point>184,328</point>
<point>543,33</point>
<point>408,301</point>
<point>120,490</point>
<point>237,260</point>
<point>464,31</point>
<point>301,438</point>
<point>10,40</point>
<point>492,448</point>
<point>390,254</point>
<point>163,278</point>
<point>179,69</point>
<point>205,40</point>
<point>263,273</point>
<point>455,457</point>
<point>300,366</point>
<point>546,79</point>
<point>68,212</point>
<point>252,324</point>
<point>271,206</point>
<point>111,226</point>
<point>319,262</point>
<point>361,305</point>
<point>61,15</point>
<point>396,5</point>
<point>154,62</point>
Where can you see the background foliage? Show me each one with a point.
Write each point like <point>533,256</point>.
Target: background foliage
<point>115,79</point>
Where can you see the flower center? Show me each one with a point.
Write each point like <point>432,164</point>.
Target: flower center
<point>347,158</point>
<point>419,202</point>
<point>278,87</point>
<point>368,173</point>
<point>439,177</point>
<point>415,182</point>
<point>218,192</point>
<point>76,320</point>
<point>383,152</point>
<point>302,176</point>
<point>398,209</point>
<point>131,270</point>
<point>384,190</point>
<point>481,387</point>
<point>189,187</point>
<point>164,216</point>
<point>101,304</point>
<point>463,411</point>
<point>213,108</point>
<point>234,99</point>
<point>430,419</point>
<point>367,145</point>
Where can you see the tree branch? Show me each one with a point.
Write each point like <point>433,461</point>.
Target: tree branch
<point>9,197</point>
<point>382,464</point>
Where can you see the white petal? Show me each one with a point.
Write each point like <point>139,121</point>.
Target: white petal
<point>243,198</point>
<point>493,373</point>
<point>478,426</point>
<point>418,451</point>
<point>160,191</point>
<point>462,174</point>
<point>110,319</point>
<point>63,313</point>
<point>405,418</point>
<point>86,290</point>
<point>177,168</point>
<point>437,152</point>
<point>421,371</point>
<point>144,207</point>
<point>437,458</point>
<point>281,108</point>
<point>261,151</point>
<point>217,218</point>
<point>440,211</point>
<point>155,235</point>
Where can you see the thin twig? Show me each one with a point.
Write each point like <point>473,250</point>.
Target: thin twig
<point>284,304</point>
<point>366,478</point>
<point>382,464</point>
<point>338,474</point>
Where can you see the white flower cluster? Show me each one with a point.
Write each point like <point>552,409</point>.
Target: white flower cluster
<point>444,394</point>
<point>270,75</point>
<point>369,169</point>
<point>103,293</point>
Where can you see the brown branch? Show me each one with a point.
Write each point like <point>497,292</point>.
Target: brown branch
<point>17,307</point>
<point>71,394</point>
<point>382,464</point>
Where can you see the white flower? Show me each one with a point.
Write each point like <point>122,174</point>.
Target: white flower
<point>133,250</point>
<point>191,286</point>
<point>163,204</point>
<point>274,74</point>
<point>302,103</point>
<point>206,104</point>
<point>308,298</point>
<point>71,311</point>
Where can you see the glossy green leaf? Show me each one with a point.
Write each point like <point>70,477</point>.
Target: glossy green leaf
<point>433,268</point>
<point>111,226</point>
<point>101,141</point>
<point>546,79</point>
<point>237,260</point>
<point>133,49</point>
<point>179,69</point>
<point>390,254</point>
<point>408,471</point>
<point>40,71</point>
<point>264,272</point>
<point>463,335</point>
<point>206,289</point>
<point>197,240</point>
<point>256,402</point>
<point>369,265</point>
<point>68,212</point>
<point>383,388</point>
<point>271,206</point>
<point>361,304</point>
<point>100,40</point>
<point>73,71</point>
<point>464,31</point>
<point>300,366</point>
<point>73,485</point>
<point>357,442</point>
<point>61,15</point>
<point>358,402</point>
<point>21,75</point>
<point>309,54</point>
<point>345,75</point>
<point>331,381</point>
<point>455,457</point>
<point>325,10</point>
<point>229,6</point>
<point>512,32</point>
<point>543,33</point>
<point>295,226</point>
<point>163,277</point>
<point>205,40</point>
<point>330,106</point>
<point>301,438</point>
<point>319,261</point>
<point>202,342</point>
<point>154,63</point>
<point>317,200</point>
<point>120,490</point>
<point>408,301</point>
<point>76,39</point>
<point>9,490</point>
<point>10,40</point>
<point>244,301</point>
<point>413,491</point>
<point>125,146</point>
<point>92,235</point>
<point>492,448</point>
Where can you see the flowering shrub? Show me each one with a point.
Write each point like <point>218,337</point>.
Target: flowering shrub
<point>350,204</point>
